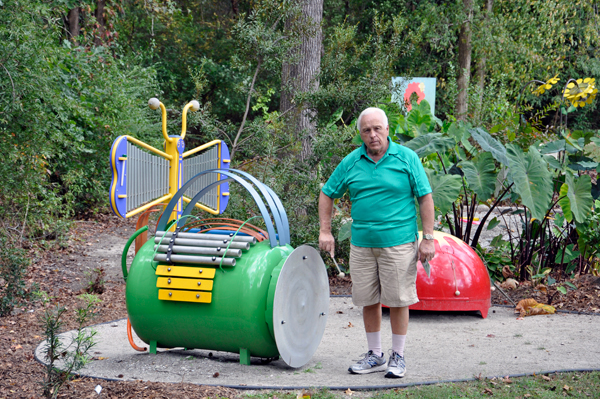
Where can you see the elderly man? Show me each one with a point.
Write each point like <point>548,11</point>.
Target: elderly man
<point>382,179</point>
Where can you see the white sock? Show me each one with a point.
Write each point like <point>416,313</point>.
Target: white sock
<point>398,343</point>
<point>374,342</point>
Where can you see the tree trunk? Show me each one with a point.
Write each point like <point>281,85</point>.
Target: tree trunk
<point>73,24</point>
<point>235,7</point>
<point>101,22</point>
<point>464,63</point>
<point>301,76</point>
<point>489,4</point>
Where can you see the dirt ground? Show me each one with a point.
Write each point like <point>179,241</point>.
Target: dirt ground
<point>66,272</point>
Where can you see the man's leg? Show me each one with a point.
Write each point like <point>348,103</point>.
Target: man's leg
<point>372,320</point>
<point>365,292</point>
<point>398,274</point>
<point>399,321</point>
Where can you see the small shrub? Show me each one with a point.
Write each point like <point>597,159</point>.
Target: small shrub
<point>96,281</point>
<point>13,266</point>
<point>66,359</point>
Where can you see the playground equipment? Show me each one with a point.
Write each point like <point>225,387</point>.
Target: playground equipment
<point>459,279</point>
<point>215,283</point>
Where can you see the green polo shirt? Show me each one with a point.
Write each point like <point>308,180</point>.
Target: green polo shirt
<point>382,194</point>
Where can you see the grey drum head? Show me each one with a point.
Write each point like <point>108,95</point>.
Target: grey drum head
<point>300,306</point>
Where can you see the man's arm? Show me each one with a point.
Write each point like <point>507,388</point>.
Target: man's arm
<point>326,240</point>
<point>426,248</point>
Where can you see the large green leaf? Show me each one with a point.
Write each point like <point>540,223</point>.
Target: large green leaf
<point>481,175</point>
<point>577,198</point>
<point>488,143</point>
<point>555,146</point>
<point>532,179</point>
<point>345,231</point>
<point>553,162</point>
<point>445,189</point>
<point>457,131</point>
<point>430,143</point>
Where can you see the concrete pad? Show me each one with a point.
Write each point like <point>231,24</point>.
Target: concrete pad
<point>441,346</point>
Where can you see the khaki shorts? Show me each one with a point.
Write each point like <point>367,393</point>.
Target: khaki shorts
<point>386,275</point>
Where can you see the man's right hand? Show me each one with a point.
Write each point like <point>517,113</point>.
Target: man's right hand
<point>327,243</point>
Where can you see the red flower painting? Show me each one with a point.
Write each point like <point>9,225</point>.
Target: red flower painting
<point>415,87</point>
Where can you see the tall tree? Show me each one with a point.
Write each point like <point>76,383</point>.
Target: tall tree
<point>100,21</point>
<point>72,22</point>
<point>481,65</point>
<point>299,76</point>
<point>464,62</point>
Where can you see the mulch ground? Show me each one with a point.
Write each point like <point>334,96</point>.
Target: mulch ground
<point>21,375</point>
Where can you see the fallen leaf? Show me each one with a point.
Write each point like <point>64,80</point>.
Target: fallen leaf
<point>349,392</point>
<point>491,336</point>
<point>487,391</point>
<point>303,395</point>
<point>542,288</point>
<point>506,380</point>
<point>510,284</point>
<point>339,312</point>
<point>566,387</point>
<point>215,375</point>
<point>506,272</point>
<point>530,307</point>
<point>546,378</point>
<point>527,395</point>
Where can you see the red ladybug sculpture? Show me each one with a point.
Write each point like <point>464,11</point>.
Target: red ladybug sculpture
<point>459,280</point>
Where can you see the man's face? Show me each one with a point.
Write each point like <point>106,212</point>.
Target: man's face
<point>374,133</point>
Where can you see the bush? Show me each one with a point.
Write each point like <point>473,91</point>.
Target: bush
<point>13,266</point>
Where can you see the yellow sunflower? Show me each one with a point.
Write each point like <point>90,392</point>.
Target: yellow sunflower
<point>581,92</point>
<point>546,86</point>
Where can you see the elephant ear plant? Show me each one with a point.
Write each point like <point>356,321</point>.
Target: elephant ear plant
<point>467,167</point>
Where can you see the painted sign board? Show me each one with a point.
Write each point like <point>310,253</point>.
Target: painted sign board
<point>423,88</point>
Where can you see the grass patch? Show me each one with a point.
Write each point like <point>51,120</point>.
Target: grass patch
<point>574,385</point>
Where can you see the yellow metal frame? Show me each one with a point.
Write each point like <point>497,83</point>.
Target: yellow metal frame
<point>171,154</point>
<point>148,205</point>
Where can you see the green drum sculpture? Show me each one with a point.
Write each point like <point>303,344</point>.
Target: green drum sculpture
<point>218,290</point>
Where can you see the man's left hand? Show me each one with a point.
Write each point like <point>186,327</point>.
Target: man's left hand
<point>426,250</point>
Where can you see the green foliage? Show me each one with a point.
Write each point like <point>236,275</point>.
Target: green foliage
<point>576,198</point>
<point>64,359</point>
<point>481,175</point>
<point>496,256</point>
<point>345,231</point>
<point>488,143</point>
<point>13,266</point>
<point>445,189</point>
<point>532,179</point>
<point>60,109</point>
<point>589,238</point>
<point>430,144</point>
<point>356,73</point>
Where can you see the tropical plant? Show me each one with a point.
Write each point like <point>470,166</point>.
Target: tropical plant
<point>463,175</point>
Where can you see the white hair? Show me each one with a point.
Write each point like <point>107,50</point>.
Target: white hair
<point>371,110</point>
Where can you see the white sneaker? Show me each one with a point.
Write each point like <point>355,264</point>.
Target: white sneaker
<point>396,367</point>
<point>371,363</point>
